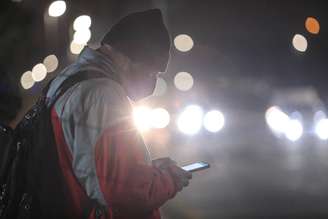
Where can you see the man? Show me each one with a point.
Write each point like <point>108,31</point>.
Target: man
<point>101,154</point>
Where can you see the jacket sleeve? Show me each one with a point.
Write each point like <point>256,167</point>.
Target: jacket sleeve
<point>127,180</point>
<point>124,173</point>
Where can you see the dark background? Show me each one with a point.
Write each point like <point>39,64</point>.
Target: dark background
<point>242,57</point>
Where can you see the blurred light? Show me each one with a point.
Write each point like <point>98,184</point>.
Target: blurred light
<point>319,115</point>
<point>76,48</point>
<point>300,43</point>
<point>190,120</point>
<point>183,81</point>
<point>160,87</point>
<point>82,22</point>
<point>183,43</point>
<point>26,80</point>
<point>321,129</point>
<point>312,25</point>
<point>141,117</point>
<point>276,119</point>
<point>294,130</point>
<point>57,8</point>
<point>51,63</point>
<point>159,118</point>
<point>39,72</point>
<point>82,36</point>
<point>214,121</point>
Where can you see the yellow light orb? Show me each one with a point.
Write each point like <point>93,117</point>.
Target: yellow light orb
<point>26,80</point>
<point>39,72</point>
<point>82,36</point>
<point>51,63</point>
<point>82,22</point>
<point>76,48</point>
<point>300,43</point>
<point>141,117</point>
<point>160,118</point>
<point>183,81</point>
<point>57,8</point>
<point>183,43</point>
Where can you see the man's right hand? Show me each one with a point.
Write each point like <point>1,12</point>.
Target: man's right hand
<point>180,176</point>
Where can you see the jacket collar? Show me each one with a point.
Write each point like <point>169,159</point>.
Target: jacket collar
<point>94,58</point>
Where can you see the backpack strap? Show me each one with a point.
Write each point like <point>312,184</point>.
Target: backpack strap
<point>71,81</point>
<point>67,84</point>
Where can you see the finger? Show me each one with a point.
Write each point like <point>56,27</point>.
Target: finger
<point>179,185</point>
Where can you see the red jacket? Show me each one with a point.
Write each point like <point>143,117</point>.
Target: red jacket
<point>101,154</point>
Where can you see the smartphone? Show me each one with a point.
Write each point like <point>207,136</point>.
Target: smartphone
<point>196,166</point>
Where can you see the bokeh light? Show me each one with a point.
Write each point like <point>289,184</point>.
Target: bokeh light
<point>82,22</point>
<point>159,118</point>
<point>300,43</point>
<point>141,117</point>
<point>183,81</point>
<point>51,63</point>
<point>312,25</point>
<point>82,36</point>
<point>39,72</point>
<point>214,121</point>
<point>276,119</point>
<point>76,48</point>
<point>294,130</point>
<point>160,88</point>
<point>26,80</point>
<point>183,43</point>
<point>321,129</point>
<point>190,120</point>
<point>57,8</point>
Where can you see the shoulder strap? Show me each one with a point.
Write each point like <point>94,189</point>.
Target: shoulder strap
<point>71,81</point>
<point>66,84</point>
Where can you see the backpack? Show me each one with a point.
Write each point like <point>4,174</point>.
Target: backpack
<point>31,182</point>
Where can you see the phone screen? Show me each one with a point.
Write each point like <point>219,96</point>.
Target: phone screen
<point>196,166</point>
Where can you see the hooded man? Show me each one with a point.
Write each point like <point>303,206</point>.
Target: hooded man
<point>101,154</point>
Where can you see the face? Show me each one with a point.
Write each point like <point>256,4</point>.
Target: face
<point>144,78</point>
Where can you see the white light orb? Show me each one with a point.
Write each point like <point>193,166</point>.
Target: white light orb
<point>190,120</point>
<point>39,72</point>
<point>82,36</point>
<point>159,118</point>
<point>183,43</point>
<point>160,87</point>
<point>214,121</point>
<point>76,48</point>
<point>276,119</point>
<point>319,115</point>
<point>183,81</point>
<point>141,117</point>
<point>300,43</point>
<point>51,63</point>
<point>321,129</point>
<point>294,130</point>
<point>82,22</point>
<point>26,80</point>
<point>57,8</point>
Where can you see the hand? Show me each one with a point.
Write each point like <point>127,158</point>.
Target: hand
<point>180,176</point>
<point>163,163</point>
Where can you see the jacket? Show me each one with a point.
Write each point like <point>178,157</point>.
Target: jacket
<point>102,156</point>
